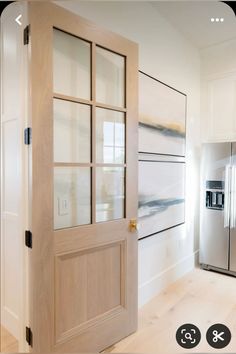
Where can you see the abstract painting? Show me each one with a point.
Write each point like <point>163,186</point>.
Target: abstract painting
<point>162,112</point>
<point>161,196</point>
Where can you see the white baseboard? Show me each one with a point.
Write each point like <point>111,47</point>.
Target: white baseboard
<point>159,282</point>
<point>10,321</point>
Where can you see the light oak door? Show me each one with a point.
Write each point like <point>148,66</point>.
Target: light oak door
<point>83,263</point>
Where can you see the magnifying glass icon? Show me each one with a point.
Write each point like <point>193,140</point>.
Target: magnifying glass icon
<point>188,336</point>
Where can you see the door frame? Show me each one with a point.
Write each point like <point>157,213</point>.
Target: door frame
<point>21,117</point>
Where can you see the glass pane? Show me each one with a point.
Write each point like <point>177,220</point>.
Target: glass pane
<point>110,78</point>
<point>110,143</point>
<point>72,65</point>
<point>72,196</point>
<point>110,184</point>
<point>72,126</point>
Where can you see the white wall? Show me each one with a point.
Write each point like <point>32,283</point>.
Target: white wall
<point>166,55</point>
<point>219,92</point>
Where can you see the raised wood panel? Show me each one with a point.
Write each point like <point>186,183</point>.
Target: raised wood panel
<point>104,280</point>
<point>71,304</point>
<point>89,283</point>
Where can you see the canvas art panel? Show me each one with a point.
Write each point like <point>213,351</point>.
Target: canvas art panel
<point>162,113</point>
<point>161,196</point>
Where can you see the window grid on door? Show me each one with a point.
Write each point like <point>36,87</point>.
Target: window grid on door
<point>99,170</point>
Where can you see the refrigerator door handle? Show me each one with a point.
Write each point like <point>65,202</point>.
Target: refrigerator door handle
<point>233,198</point>
<point>227,196</point>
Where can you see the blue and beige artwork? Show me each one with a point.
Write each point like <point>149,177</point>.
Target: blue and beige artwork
<point>162,112</point>
<point>161,196</point>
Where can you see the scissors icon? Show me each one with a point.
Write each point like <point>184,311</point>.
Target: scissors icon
<point>217,336</point>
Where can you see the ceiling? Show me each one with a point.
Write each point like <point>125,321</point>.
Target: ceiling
<point>193,20</point>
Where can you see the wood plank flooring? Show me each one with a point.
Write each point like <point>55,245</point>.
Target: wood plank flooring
<point>8,343</point>
<point>201,297</point>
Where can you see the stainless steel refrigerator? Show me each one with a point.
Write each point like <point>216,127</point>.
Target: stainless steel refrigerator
<point>218,207</point>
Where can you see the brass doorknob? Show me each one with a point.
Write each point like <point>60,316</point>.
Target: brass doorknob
<point>133,225</point>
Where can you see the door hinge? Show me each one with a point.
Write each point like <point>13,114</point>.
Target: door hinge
<point>26,35</point>
<point>29,336</point>
<point>28,239</point>
<point>27,136</point>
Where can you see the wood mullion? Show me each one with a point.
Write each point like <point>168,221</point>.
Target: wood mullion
<point>72,99</point>
<point>72,164</point>
<point>84,164</point>
<point>93,140</point>
<point>88,102</point>
<point>111,165</point>
<point>112,108</point>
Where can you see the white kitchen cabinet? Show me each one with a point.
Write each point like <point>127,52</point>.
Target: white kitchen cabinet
<point>219,109</point>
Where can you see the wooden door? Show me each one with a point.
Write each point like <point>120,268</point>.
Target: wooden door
<point>83,261</point>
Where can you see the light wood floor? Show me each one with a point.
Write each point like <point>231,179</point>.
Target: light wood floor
<point>8,343</point>
<point>202,298</point>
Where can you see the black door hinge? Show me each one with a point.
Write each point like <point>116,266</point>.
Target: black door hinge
<point>28,239</point>
<point>26,35</point>
<point>29,336</point>
<point>27,136</point>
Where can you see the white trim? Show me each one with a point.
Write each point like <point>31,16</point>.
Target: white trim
<point>10,320</point>
<point>15,321</point>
